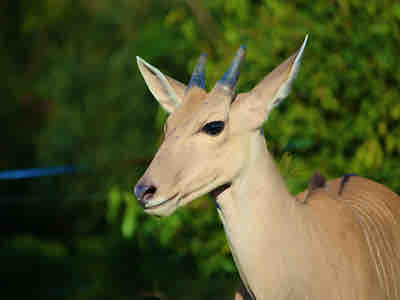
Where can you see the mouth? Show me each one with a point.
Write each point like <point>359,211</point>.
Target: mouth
<point>220,189</point>
<point>157,205</point>
<point>160,202</point>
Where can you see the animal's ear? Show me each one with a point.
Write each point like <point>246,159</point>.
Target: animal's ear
<point>168,92</point>
<point>252,108</point>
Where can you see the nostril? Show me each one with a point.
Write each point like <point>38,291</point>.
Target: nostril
<point>149,192</point>
<point>144,192</point>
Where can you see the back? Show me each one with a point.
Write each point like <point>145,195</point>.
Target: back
<point>376,210</point>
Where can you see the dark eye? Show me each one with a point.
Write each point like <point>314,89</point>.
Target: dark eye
<point>213,128</point>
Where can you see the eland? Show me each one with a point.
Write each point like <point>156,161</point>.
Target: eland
<point>340,239</point>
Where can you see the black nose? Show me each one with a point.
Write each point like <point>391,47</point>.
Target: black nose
<point>144,192</point>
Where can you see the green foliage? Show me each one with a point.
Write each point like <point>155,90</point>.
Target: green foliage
<point>72,94</point>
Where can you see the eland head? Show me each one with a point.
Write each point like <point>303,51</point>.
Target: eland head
<point>207,133</point>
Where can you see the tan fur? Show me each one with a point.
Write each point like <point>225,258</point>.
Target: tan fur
<point>342,243</point>
<point>376,210</point>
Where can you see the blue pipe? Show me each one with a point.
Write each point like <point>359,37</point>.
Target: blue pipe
<point>37,172</point>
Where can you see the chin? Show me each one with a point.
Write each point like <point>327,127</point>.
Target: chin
<point>160,211</point>
<point>163,210</point>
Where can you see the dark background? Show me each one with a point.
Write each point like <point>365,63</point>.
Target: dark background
<point>71,94</point>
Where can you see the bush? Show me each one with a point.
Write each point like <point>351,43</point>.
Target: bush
<point>77,60</point>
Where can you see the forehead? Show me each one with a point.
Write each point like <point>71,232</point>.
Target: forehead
<point>197,106</point>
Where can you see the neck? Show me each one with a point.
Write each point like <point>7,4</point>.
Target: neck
<point>260,220</point>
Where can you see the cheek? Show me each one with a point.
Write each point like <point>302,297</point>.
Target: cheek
<point>202,158</point>
<point>233,155</point>
<point>198,158</point>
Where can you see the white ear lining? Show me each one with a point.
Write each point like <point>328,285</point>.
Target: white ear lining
<point>164,82</point>
<point>284,90</point>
